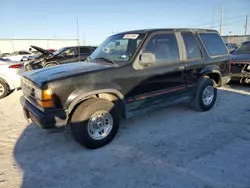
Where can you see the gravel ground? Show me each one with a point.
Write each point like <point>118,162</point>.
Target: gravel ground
<point>172,148</point>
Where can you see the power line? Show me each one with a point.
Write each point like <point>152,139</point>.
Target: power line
<point>208,23</point>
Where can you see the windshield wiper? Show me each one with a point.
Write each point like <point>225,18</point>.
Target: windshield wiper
<point>107,60</point>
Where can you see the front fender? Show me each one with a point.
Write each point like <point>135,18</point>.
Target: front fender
<point>84,92</point>
<point>10,84</point>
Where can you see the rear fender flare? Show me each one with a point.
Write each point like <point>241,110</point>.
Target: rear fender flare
<point>213,69</point>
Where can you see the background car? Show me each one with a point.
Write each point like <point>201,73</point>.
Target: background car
<point>231,47</point>
<point>240,63</point>
<point>64,55</point>
<point>10,72</point>
<point>4,54</point>
<point>19,55</point>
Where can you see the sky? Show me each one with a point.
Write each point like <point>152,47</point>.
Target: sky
<point>97,19</point>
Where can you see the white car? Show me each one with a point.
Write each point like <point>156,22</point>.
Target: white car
<point>10,72</point>
<point>19,56</point>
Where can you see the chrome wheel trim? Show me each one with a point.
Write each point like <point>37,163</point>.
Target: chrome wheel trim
<point>100,125</point>
<point>208,95</point>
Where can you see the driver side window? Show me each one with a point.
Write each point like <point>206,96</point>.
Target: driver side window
<point>163,47</point>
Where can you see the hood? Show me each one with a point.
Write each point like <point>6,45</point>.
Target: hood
<point>40,76</point>
<point>43,51</point>
<point>240,57</point>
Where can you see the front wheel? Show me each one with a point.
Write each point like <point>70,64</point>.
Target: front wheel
<point>95,123</point>
<point>4,89</point>
<point>206,95</point>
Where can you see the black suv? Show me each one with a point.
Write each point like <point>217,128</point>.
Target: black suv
<point>129,73</point>
<point>64,55</point>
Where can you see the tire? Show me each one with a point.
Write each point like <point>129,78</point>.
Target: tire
<point>4,89</point>
<point>198,103</point>
<point>50,64</point>
<point>82,116</point>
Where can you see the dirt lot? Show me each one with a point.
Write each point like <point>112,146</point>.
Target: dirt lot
<point>175,147</point>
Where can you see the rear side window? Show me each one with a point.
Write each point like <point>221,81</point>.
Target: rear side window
<point>84,50</point>
<point>214,44</point>
<point>192,48</point>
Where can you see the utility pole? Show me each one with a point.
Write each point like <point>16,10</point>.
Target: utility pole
<point>246,26</point>
<point>221,18</point>
<point>78,39</point>
<point>212,26</point>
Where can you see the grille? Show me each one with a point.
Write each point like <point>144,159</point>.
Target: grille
<point>27,88</point>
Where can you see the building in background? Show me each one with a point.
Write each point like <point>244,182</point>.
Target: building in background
<point>11,45</point>
<point>236,39</point>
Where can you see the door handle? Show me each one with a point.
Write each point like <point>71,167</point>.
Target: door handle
<point>181,67</point>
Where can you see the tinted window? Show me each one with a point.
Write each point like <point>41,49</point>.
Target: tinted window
<point>192,48</point>
<point>23,53</point>
<point>164,47</point>
<point>214,44</point>
<point>84,50</point>
<point>243,48</point>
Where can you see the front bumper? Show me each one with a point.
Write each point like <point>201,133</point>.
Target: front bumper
<point>225,80</point>
<point>45,120</point>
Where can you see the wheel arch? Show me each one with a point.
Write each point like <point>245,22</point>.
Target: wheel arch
<point>10,84</point>
<point>111,95</point>
<point>51,62</point>
<point>213,73</point>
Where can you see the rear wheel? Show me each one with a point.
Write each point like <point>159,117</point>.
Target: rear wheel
<point>4,89</point>
<point>206,95</point>
<point>95,123</point>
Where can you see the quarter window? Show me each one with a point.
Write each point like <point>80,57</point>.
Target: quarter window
<point>164,47</point>
<point>214,44</point>
<point>192,48</point>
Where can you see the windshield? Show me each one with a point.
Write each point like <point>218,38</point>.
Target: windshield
<point>38,55</point>
<point>120,47</point>
<point>59,51</point>
<point>244,48</point>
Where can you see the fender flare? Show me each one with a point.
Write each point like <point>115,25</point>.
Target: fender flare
<point>212,70</point>
<point>70,106</point>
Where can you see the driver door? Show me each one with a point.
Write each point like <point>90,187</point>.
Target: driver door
<point>162,80</point>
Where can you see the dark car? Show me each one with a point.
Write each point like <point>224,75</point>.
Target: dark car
<point>231,47</point>
<point>240,63</point>
<point>46,58</point>
<point>129,73</point>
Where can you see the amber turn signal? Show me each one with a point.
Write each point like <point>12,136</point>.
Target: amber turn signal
<point>45,104</point>
<point>47,94</point>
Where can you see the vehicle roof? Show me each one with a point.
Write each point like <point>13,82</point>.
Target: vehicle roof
<point>79,46</point>
<point>246,42</point>
<point>169,29</point>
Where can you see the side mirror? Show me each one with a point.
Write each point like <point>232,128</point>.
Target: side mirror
<point>147,59</point>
